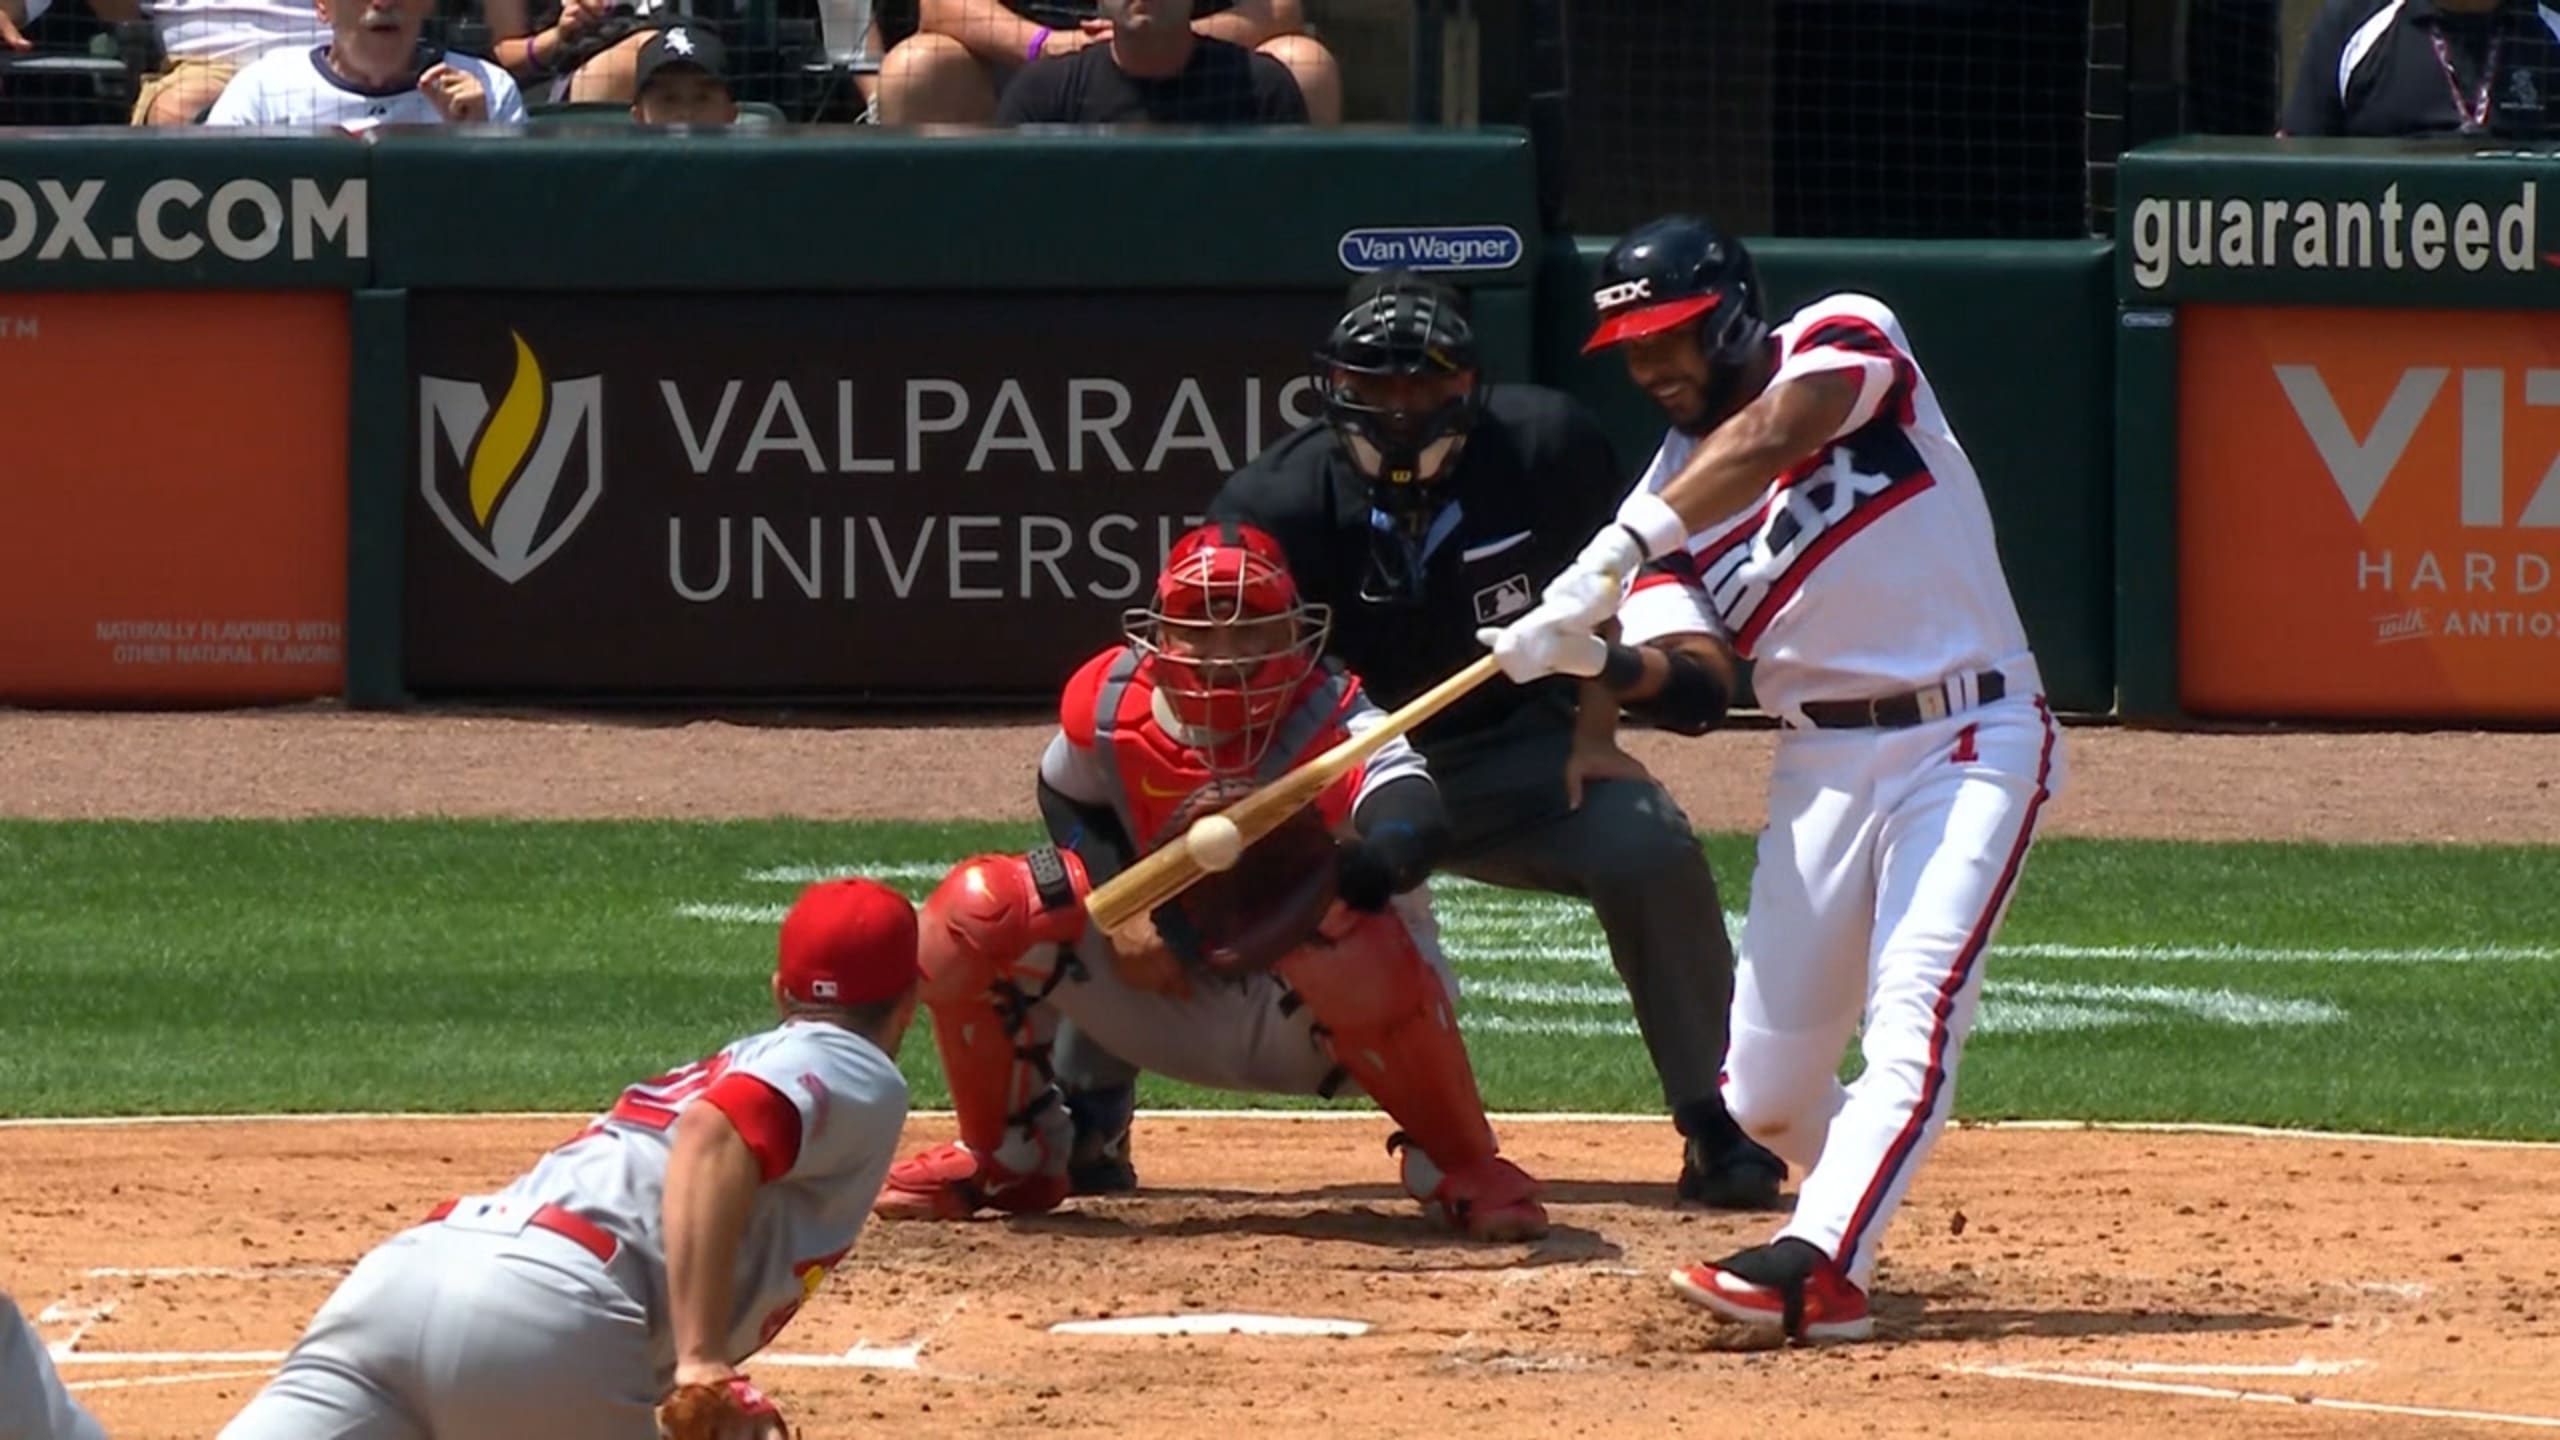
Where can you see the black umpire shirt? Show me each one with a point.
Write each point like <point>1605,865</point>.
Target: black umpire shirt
<point>1537,478</point>
<point>1222,84</point>
<point>2414,68</point>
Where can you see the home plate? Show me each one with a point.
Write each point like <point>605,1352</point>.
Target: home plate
<point>1211,1325</point>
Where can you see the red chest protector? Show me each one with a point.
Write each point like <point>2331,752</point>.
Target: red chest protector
<point>1155,778</point>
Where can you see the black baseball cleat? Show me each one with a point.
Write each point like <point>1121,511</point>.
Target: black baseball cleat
<point>1734,1173</point>
<point>1099,1163</point>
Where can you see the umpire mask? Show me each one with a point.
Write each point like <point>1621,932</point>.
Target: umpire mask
<point>1398,377</point>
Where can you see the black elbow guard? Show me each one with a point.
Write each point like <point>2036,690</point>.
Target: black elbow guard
<point>1693,700</point>
<point>1404,830</point>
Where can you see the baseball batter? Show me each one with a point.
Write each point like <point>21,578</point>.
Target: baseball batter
<point>611,1292</point>
<point>33,1403</point>
<point>1312,964</point>
<point>1840,541</point>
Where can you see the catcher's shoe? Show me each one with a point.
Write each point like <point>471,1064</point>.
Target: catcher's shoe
<point>1789,1286</point>
<point>1489,1199</point>
<point>1099,1163</point>
<point>953,1182</point>
<point>1734,1172</point>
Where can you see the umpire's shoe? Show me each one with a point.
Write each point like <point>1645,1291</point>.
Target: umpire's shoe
<point>1099,1163</point>
<point>1723,1169</point>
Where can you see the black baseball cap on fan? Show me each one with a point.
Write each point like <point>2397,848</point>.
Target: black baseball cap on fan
<point>681,44</point>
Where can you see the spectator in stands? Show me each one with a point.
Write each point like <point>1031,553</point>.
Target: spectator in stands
<point>203,43</point>
<point>2428,67</point>
<point>682,78</point>
<point>584,50</point>
<point>964,51</point>
<point>1153,69</point>
<point>373,70</point>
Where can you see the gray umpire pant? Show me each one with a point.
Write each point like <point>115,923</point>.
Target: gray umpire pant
<point>1628,850</point>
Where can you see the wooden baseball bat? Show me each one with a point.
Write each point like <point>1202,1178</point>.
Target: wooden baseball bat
<point>1170,869</point>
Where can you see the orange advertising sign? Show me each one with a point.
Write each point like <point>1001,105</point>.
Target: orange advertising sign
<point>2369,513</point>
<point>175,481</point>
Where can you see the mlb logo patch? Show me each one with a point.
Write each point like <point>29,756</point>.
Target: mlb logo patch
<point>1510,597</point>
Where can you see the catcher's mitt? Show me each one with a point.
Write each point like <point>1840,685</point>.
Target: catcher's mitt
<point>1245,919</point>
<point>731,1409</point>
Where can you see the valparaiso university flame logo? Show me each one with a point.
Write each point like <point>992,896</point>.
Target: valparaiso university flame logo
<point>512,484</point>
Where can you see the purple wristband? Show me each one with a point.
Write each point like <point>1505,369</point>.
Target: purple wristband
<point>1039,38</point>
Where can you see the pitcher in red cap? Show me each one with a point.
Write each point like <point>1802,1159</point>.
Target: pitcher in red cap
<point>638,1266</point>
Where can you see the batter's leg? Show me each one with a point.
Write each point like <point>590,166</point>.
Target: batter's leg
<point>33,1403</point>
<point>1803,973</point>
<point>1948,861</point>
<point>352,1374</point>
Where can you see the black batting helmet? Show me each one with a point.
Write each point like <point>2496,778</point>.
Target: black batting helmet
<point>1399,323</point>
<point>1675,271</point>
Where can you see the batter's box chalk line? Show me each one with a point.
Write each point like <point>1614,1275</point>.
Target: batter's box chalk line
<point>2133,1384</point>
<point>1213,1324</point>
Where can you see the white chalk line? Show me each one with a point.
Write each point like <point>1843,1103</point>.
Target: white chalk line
<point>859,1357</point>
<point>2305,1366</point>
<point>1499,1117</point>
<point>210,1272</point>
<point>200,1377</point>
<point>2262,1397</point>
<point>1494,911</point>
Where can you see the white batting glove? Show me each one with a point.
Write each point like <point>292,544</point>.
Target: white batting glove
<point>1591,587</point>
<point>1549,640</point>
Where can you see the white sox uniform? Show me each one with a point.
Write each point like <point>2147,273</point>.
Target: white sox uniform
<point>1891,851</point>
<point>33,1403</point>
<point>541,1310</point>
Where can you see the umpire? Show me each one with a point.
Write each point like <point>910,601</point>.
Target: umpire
<point>1425,505</point>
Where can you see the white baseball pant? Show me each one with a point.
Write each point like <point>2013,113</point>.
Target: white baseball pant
<point>1889,860</point>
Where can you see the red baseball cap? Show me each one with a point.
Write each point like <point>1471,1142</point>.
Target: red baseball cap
<point>848,942</point>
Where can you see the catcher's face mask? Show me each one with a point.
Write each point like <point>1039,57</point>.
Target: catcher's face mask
<point>1233,643</point>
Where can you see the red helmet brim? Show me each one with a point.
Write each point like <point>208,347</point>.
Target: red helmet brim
<point>1648,320</point>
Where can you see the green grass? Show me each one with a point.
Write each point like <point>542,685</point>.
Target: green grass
<point>360,965</point>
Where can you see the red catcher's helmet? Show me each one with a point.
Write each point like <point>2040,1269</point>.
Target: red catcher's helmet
<point>1233,643</point>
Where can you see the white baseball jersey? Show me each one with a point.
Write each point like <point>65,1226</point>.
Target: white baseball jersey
<point>818,1105</point>
<point>297,87</point>
<point>1867,570</point>
<point>236,31</point>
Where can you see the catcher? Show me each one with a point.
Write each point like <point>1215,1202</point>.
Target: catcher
<point>611,1292</point>
<point>1311,965</point>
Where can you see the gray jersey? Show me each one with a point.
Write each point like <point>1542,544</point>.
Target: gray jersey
<point>826,1144</point>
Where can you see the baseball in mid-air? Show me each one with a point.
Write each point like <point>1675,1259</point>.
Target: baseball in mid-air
<point>1215,842</point>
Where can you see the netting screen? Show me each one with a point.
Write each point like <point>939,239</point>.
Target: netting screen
<point>1892,118</point>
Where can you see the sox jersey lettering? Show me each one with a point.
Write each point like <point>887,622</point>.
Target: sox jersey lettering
<point>1869,569</point>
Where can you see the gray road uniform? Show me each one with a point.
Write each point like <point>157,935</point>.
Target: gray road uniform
<point>541,1310</point>
<point>33,1403</point>
<point>1245,1034</point>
